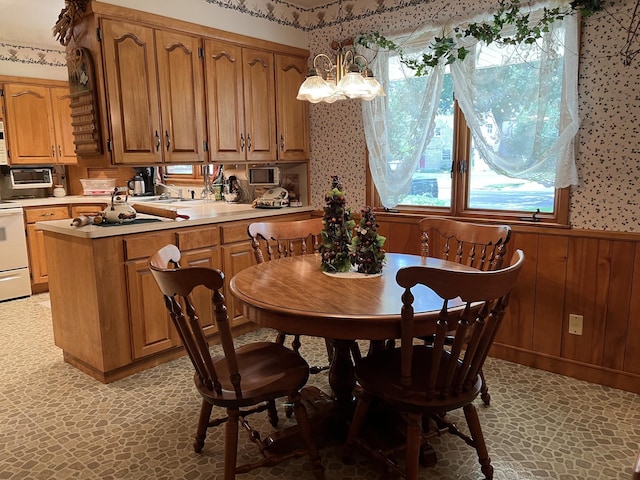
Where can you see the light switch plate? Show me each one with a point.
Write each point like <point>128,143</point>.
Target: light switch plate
<point>575,324</point>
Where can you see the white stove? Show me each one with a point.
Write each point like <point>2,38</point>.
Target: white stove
<point>14,263</point>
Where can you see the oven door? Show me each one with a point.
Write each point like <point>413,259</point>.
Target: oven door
<point>13,243</point>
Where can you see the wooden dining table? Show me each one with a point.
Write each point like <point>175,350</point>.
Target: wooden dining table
<point>295,296</point>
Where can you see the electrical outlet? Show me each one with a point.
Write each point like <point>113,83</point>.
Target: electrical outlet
<point>575,324</point>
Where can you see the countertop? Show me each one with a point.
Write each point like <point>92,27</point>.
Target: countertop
<point>199,212</point>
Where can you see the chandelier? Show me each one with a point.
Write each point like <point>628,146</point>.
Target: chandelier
<point>347,76</point>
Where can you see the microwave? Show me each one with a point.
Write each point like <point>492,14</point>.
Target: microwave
<point>264,176</point>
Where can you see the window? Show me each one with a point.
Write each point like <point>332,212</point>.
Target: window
<point>510,156</point>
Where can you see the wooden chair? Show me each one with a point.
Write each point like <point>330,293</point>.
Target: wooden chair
<point>271,240</point>
<point>473,244</point>
<point>242,380</point>
<point>424,382</point>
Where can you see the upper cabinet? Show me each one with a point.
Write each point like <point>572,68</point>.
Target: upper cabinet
<point>293,115</point>
<point>171,91</point>
<point>241,106</point>
<point>38,124</point>
<point>155,93</point>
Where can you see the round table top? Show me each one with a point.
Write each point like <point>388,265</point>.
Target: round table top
<point>294,295</point>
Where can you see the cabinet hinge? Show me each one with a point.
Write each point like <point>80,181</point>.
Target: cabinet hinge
<point>109,145</point>
<point>99,34</point>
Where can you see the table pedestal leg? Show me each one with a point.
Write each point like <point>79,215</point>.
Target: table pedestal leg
<point>341,377</point>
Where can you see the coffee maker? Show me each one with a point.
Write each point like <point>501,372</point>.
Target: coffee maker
<point>147,175</point>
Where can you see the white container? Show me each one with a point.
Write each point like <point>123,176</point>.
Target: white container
<point>59,191</point>
<point>98,186</point>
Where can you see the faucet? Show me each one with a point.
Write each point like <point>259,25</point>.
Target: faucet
<point>172,188</point>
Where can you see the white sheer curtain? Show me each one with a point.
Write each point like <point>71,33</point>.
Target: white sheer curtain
<point>545,127</point>
<point>537,122</point>
<point>392,163</point>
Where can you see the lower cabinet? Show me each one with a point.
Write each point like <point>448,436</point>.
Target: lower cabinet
<point>125,328</point>
<point>35,242</point>
<point>152,330</point>
<point>35,238</point>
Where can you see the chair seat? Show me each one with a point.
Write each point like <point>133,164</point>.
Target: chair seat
<point>379,374</point>
<point>268,370</point>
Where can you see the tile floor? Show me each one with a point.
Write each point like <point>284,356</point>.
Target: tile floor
<point>58,423</point>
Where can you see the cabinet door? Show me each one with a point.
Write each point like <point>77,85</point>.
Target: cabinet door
<point>151,328</point>
<point>181,81</point>
<point>236,257</point>
<point>132,93</point>
<point>259,105</point>
<point>293,115</point>
<point>29,124</point>
<point>37,258</point>
<point>225,101</point>
<point>202,296</point>
<point>61,107</point>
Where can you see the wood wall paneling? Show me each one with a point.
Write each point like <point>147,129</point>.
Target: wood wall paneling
<point>551,261</point>
<point>618,303</point>
<point>632,346</point>
<point>595,274</point>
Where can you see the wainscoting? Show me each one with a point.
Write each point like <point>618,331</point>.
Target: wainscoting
<point>595,274</point>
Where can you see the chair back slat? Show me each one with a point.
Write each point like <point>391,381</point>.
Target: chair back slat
<point>455,369</point>
<point>285,239</point>
<point>476,245</point>
<point>176,285</point>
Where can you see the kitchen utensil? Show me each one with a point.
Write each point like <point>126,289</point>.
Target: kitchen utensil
<point>159,211</point>
<point>136,185</point>
<point>119,211</point>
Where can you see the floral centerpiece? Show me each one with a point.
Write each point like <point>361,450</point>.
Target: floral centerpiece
<point>367,244</point>
<point>338,230</point>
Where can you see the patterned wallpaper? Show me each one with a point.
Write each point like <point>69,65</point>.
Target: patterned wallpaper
<point>608,151</point>
<point>608,154</point>
<point>32,55</point>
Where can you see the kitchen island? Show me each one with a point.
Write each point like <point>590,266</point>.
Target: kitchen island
<point>108,315</point>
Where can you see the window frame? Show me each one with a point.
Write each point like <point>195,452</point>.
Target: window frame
<point>461,152</point>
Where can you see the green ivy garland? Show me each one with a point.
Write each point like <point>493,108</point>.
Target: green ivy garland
<point>508,13</point>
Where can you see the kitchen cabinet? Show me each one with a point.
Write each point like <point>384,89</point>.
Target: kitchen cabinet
<point>35,242</point>
<point>35,238</point>
<point>113,322</point>
<point>293,115</point>
<point>152,330</point>
<point>241,106</point>
<point>159,102</point>
<point>38,124</point>
<point>155,92</point>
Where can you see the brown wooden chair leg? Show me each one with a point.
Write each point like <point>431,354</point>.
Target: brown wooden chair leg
<point>305,430</point>
<point>231,444</point>
<point>484,390</point>
<point>359,416</point>
<point>412,453</point>
<point>203,423</point>
<point>471,414</point>
<point>273,413</point>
